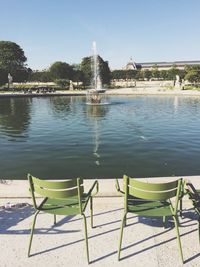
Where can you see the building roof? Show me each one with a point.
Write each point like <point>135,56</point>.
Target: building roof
<point>179,63</point>
<point>131,65</point>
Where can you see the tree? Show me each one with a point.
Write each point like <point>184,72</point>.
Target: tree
<point>3,77</point>
<point>62,83</point>
<point>126,74</point>
<point>147,74</point>
<point>86,69</point>
<point>130,74</point>
<point>12,56</point>
<point>155,72</point>
<point>21,75</point>
<point>193,76</point>
<point>163,74</point>
<point>172,72</point>
<point>117,74</point>
<point>12,60</point>
<point>40,76</point>
<point>77,73</point>
<point>105,72</point>
<point>61,70</point>
<point>77,76</point>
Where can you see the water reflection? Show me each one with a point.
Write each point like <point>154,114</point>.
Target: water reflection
<point>15,116</point>
<point>96,113</point>
<point>141,136</point>
<point>61,105</point>
<point>176,103</point>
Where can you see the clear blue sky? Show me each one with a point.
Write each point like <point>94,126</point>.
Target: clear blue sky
<point>63,30</point>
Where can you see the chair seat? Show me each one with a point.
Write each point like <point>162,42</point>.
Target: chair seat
<point>149,208</point>
<point>69,206</point>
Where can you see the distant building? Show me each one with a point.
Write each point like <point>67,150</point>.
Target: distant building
<point>131,65</point>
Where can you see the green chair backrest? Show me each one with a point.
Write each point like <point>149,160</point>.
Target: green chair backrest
<point>152,191</point>
<point>56,189</point>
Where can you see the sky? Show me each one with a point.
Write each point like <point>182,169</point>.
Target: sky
<point>63,30</point>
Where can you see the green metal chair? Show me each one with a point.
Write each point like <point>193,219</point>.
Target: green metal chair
<point>151,199</point>
<point>194,196</point>
<point>64,197</point>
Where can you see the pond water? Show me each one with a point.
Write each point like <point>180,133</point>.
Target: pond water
<point>62,137</point>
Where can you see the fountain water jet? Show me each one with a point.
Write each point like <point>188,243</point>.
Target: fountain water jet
<point>96,95</point>
<point>96,80</point>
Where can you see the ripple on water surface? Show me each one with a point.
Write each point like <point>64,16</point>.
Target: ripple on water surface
<point>62,136</point>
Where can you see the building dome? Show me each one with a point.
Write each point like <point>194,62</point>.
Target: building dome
<point>131,65</point>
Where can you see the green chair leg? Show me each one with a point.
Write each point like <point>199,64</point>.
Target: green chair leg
<point>199,229</point>
<point>86,237</point>
<point>164,221</point>
<point>54,219</point>
<point>121,235</point>
<point>32,230</point>
<point>125,221</point>
<point>178,236</point>
<point>91,211</point>
<point>181,208</point>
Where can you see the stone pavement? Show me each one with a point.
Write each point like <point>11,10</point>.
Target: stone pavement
<point>145,241</point>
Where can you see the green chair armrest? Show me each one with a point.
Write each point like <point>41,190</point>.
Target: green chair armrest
<point>118,186</point>
<point>95,184</point>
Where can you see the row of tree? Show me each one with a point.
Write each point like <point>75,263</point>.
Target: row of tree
<point>76,72</point>
<point>13,61</point>
<point>148,74</point>
<point>190,73</point>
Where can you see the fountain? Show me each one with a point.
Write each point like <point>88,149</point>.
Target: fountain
<point>96,95</point>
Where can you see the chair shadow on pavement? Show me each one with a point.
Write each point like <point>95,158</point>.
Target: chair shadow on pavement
<point>14,216</point>
<point>114,229</point>
<point>77,241</point>
<point>115,252</point>
<point>70,219</point>
<point>10,217</point>
<point>157,222</point>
